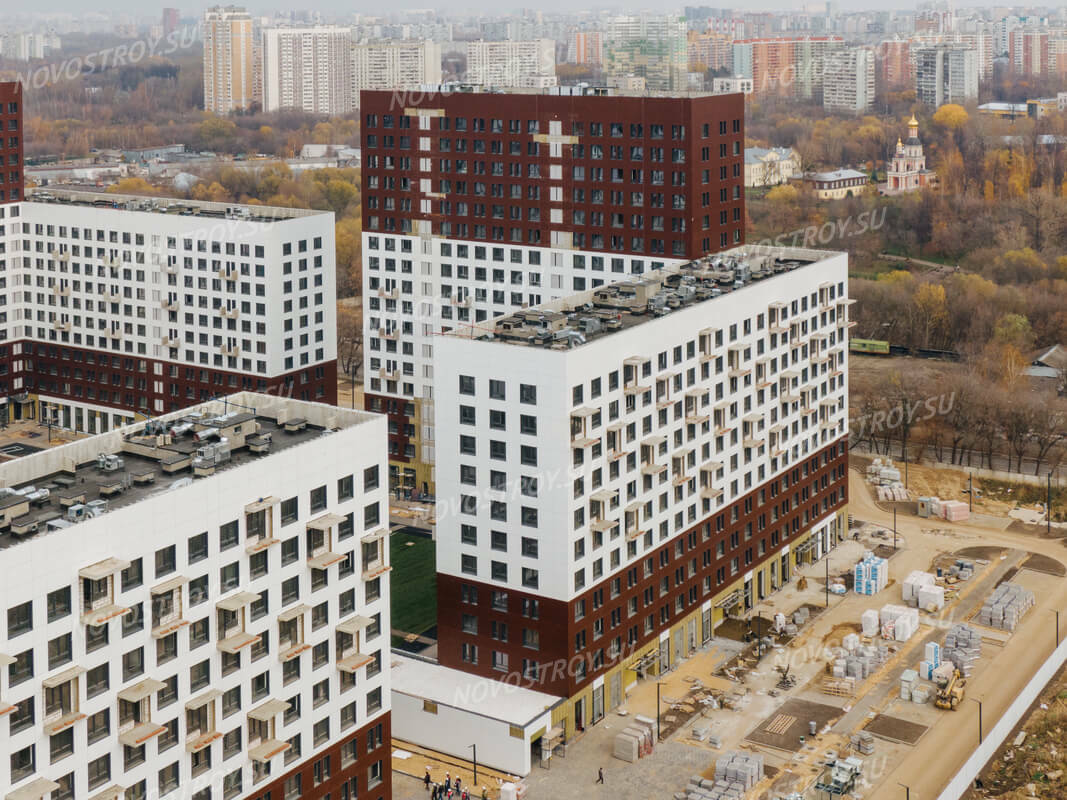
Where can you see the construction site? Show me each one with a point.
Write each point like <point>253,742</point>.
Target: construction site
<point>879,670</point>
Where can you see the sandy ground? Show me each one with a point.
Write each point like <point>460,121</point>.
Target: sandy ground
<point>945,738</point>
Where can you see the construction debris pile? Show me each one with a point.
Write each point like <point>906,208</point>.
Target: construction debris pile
<point>637,740</point>
<point>948,510</point>
<point>1005,606</point>
<point>886,479</point>
<point>871,575</point>
<point>920,590</point>
<point>963,646</point>
<point>898,623</point>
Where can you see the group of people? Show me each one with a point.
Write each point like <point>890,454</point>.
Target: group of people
<point>451,789</point>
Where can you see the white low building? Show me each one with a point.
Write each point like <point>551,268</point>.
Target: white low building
<point>448,710</point>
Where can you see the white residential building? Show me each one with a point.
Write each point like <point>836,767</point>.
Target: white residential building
<point>848,80</point>
<point>119,305</point>
<point>226,635</point>
<point>511,64</point>
<point>406,64</point>
<point>309,69</point>
<point>591,447</point>
<point>945,74</point>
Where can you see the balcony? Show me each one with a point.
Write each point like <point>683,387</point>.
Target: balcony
<point>262,746</point>
<point>98,605</point>
<point>693,412</point>
<point>231,350</point>
<point>167,619</point>
<point>170,305</point>
<point>349,658</point>
<point>236,642</point>
<point>708,351</point>
<point>60,325</point>
<point>141,733</point>
<point>580,427</point>
<point>231,313</point>
<point>37,789</point>
<point>388,294</point>
<point>389,333</point>
<point>228,274</point>
<point>202,738</point>
<point>61,290</point>
<point>291,632</point>
<point>388,374</point>
<point>461,300</point>
<point>171,342</point>
<point>170,269</point>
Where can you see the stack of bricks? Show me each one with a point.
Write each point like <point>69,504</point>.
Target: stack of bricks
<point>735,774</point>
<point>1005,606</point>
<point>963,646</point>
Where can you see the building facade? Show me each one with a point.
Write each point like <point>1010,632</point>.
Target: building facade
<point>475,204</point>
<point>945,73</point>
<point>229,61</point>
<point>650,46</point>
<point>785,66</point>
<point>219,637</point>
<point>510,64</point>
<point>120,308</point>
<point>770,166</point>
<point>838,183</point>
<point>309,69</point>
<point>12,177</point>
<point>404,65</point>
<point>619,480</point>
<point>585,47</point>
<point>848,81</point>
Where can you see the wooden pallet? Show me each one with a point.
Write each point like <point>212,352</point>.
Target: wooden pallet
<point>839,687</point>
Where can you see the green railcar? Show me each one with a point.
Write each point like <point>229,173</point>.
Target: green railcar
<point>874,347</point>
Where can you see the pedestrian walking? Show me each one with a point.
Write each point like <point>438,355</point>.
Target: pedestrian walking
<point>457,784</point>
<point>600,775</point>
<point>485,793</point>
<point>426,780</point>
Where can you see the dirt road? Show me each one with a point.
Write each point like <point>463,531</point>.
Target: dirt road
<point>927,768</point>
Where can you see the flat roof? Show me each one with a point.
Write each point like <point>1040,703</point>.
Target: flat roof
<point>586,316</point>
<point>446,90</point>
<point>486,697</point>
<point>157,455</point>
<point>173,206</point>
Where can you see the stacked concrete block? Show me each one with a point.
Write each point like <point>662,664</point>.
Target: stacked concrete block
<point>921,693</point>
<point>851,642</point>
<point>898,622</point>
<point>800,616</point>
<point>871,575</point>
<point>627,746</point>
<point>909,679</point>
<point>916,580</point>
<point>963,647</point>
<point>863,742</point>
<point>931,598</point>
<point>743,768</point>
<point>1005,606</point>
<point>943,673</point>
<point>954,511</point>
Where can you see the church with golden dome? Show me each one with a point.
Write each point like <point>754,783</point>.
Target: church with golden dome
<point>907,171</point>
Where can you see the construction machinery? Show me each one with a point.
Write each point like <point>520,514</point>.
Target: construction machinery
<point>951,694</point>
<point>787,681</point>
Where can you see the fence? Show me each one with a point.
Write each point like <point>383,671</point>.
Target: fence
<point>964,779</point>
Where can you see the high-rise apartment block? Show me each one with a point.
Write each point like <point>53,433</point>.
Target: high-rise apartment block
<point>402,65</point>
<point>945,73</point>
<point>896,69</point>
<point>626,466</point>
<point>229,62</point>
<point>585,47</point>
<point>511,64</point>
<point>309,69</point>
<point>12,139</point>
<point>650,46</point>
<point>121,306</point>
<point>710,51</point>
<point>786,67</point>
<point>848,80</point>
<point>171,20</point>
<point>204,610</point>
<point>476,204</point>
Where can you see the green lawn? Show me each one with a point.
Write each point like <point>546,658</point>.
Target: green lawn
<point>413,582</point>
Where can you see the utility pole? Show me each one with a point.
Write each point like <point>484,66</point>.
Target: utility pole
<point>907,792</point>
<point>827,578</point>
<point>970,492</point>
<point>1048,506</point>
<point>474,747</point>
<point>894,528</point>
<point>658,737</point>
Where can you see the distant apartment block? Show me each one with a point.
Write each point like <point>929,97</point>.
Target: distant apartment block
<point>848,80</point>
<point>709,51</point>
<point>215,627</point>
<point>585,47</point>
<point>308,69</point>
<point>649,46</point>
<point>895,67</point>
<point>229,62</point>
<point>12,182</point>
<point>140,306</point>
<point>946,73</point>
<point>511,64</point>
<point>402,64</point>
<point>785,67</point>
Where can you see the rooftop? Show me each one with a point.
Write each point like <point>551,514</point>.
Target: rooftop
<point>580,90</point>
<point>167,205</point>
<point>57,488</point>
<point>573,321</point>
<point>836,175</point>
<point>488,697</point>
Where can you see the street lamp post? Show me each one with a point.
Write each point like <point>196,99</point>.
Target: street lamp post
<point>907,791</point>
<point>1056,611</point>
<point>474,747</point>
<point>1048,506</point>
<point>827,578</point>
<point>979,702</point>
<point>970,492</point>
<point>658,737</point>
<point>894,528</point>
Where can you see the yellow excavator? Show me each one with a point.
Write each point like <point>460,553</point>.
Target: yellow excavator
<point>951,694</point>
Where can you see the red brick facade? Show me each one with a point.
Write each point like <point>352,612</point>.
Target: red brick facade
<point>12,181</point>
<point>694,575</point>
